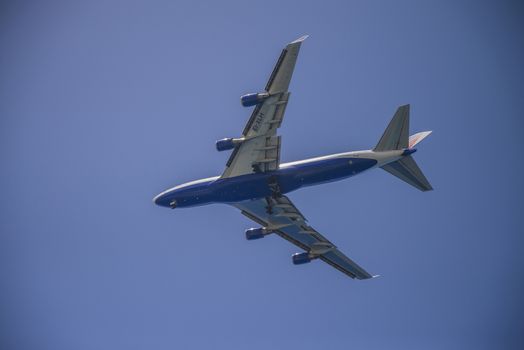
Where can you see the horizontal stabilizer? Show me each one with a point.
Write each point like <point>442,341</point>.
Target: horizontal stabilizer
<point>407,170</point>
<point>396,135</point>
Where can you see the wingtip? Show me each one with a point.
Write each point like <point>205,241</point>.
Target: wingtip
<point>375,276</point>
<point>301,39</point>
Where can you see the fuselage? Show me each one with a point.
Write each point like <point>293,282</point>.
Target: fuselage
<point>288,177</point>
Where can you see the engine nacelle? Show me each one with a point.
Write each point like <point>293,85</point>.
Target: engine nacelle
<point>227,143</point>
<point>253,99</point>
<point>255,233</point>
<point>301,258</point>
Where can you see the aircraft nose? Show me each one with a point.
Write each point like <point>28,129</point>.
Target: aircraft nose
<point>164,200</point>
<point>160,199</point>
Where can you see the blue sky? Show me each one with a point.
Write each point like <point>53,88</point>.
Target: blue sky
<point>104,104</point>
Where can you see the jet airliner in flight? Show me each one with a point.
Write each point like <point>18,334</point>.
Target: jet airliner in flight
<point>255,182</point>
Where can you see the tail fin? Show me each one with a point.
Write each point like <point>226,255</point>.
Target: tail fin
<point>396,137</point>
<point>407,170</point>
<point>419,136</point>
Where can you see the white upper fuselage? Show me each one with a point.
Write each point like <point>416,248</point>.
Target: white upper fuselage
<point>382,158</point>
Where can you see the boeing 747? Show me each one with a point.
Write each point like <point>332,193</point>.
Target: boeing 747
<point>255,182</point>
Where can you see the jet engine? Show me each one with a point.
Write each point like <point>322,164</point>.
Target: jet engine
<point>255,233</point>
<point>301,258</point>
<point>227,143</point>
<point>253,99</point>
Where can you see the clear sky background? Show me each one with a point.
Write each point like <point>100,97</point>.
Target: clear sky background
<point>104,104</point>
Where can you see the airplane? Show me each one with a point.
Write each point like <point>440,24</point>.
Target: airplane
<point>255,182</point>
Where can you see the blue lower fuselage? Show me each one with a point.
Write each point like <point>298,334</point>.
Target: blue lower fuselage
<point>287,178</point>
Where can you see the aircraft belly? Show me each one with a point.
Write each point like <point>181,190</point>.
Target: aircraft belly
<point>323,171</point>
<point>240,188</point>
<point>255,186</point>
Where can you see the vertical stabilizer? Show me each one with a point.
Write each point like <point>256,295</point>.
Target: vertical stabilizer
<point>415,139</point>
<point>396,135</point>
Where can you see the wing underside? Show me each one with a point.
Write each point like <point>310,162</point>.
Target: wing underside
<point>282,217</point>
<point>260,150</point>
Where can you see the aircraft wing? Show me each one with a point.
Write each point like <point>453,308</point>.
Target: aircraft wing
<point>260,151</point>
<point>282,217</point>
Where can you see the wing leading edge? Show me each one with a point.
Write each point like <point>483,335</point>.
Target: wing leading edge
<point>279,215</point>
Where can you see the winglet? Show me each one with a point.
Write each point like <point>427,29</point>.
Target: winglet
<point>375,276</point>
<point>299,40</point>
